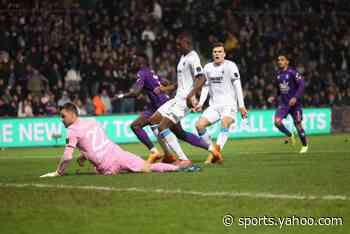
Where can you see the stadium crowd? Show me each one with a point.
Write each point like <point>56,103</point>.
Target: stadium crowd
<point>52,52</point>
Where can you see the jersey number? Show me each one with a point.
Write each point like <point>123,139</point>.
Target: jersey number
<point>99,140</point>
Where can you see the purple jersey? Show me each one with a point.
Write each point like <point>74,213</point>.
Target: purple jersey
<point>290,84</point>
<point>149,82</point>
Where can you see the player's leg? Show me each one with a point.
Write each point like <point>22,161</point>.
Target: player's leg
<point>280,114</point>
<point>165,133</point>
<point>137,127</point>
<point>188,137</point>
<point>209,117</point>
<point>297,115</point>
<point>201,126</point>
<point>224,131</point>
<point>172,111</point>
<point>130,162</point>
<point>154,121</point>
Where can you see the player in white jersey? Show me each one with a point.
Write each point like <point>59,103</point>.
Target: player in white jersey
<point>224,87</point>
<point>190,79</point>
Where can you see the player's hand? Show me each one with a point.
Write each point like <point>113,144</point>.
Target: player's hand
<point>244,112</point>
<point>191,102</point>
<point>50,174</point>
<point>292,101</point>
<point>271,99</point>
<point>197,108</point>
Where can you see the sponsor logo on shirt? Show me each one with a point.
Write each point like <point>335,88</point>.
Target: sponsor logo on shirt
<point>216,79</point>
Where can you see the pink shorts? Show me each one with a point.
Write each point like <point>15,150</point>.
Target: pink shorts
<point>119,160</point>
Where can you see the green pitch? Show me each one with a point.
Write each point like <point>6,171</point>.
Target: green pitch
<point>259,178</point>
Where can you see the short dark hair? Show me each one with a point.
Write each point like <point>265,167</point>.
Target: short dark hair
<point>142,55</point>
<point>284,54</point>
<point>186,35</point>
<point>70,107</point>
<point>218,44</point>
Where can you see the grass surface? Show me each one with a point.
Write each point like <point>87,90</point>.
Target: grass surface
<point>259,178</point>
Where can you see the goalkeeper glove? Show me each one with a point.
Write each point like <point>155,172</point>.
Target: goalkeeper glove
<point>50,174</point>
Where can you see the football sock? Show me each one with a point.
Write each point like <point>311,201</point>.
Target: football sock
<point>205,136</point>
<point>173,143</point>
<point>302,136</point>
<point>283,129</point>
<point>222,137</point>
<point>165,147</point>
<point>195,140</point>
<point>143,137</point>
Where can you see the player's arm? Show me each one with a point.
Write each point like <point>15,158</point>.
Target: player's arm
<point>203,98</point>
<point>165,86</point>
<point>168,88</point>
<point>135,90</point>
<point>199,80</point>
<point>66,158</point>
<point>198,84</point>
<point>237,85</point>
<point>300,83</point>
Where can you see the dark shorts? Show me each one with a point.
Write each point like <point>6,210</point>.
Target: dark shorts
<point>295,112</point>
<point>147,114</point>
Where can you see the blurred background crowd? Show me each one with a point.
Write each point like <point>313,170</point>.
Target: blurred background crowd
<point>52,52</point>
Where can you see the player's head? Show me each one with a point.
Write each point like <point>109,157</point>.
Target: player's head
<point>141,60</point>
<point>184,42</point>
<point>69,113</point>
<point>282,61</point>
<point>218,52</point>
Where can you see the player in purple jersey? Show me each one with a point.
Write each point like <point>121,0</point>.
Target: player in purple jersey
<point>290,88</point>
<point>153,86</point>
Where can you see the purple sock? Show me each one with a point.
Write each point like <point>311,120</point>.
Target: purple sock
<point>302,136</point>
<point>143,137</point>
<point>195,140</point>
<point>283,129</point>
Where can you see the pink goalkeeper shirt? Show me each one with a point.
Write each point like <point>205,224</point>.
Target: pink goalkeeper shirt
<point>89,137</point>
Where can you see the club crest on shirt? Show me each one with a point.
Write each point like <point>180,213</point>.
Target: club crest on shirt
<point>284,87</point>
<point>198,69</point>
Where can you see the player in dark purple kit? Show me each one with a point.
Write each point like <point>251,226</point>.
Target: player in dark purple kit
<point>290,88</point>
<point>151,84</point>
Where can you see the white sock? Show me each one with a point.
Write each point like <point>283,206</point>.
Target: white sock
<point>222,137</point>
<point>172,141</point>
<point>205,136</point>
<point>165,147</point>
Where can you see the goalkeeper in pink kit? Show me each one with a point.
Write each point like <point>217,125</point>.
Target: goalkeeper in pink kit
<point>108,158</point>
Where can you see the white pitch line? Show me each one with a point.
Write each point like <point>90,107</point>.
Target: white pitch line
<point>231,194</point>
<point>235,153</point>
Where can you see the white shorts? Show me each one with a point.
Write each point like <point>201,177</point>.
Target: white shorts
<point>174,109</point>
<point>215,113</point>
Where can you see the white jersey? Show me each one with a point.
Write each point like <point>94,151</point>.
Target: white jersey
<point>223,82</point>
<point>188,68</point>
